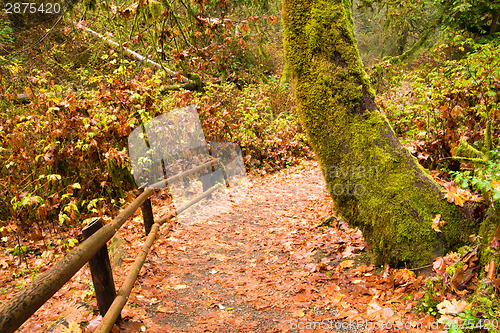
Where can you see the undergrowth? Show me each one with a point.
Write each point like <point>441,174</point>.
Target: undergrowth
<point>66,154</point>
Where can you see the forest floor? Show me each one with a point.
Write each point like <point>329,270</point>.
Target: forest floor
<point>268,265</point>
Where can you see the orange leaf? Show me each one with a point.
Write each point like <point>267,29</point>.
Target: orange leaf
<point>272,19</point>
<point>436,223</point>
<point>345,264</point>
<point>454,307</point>
<point>457,110</point>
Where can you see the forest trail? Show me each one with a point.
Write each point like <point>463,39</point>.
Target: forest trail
<point>247,270</point>
<point>268,265</point>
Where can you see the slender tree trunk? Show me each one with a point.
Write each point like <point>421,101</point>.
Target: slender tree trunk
<point>494,22</point>
<point>375,183</point>
<point>403,40</point>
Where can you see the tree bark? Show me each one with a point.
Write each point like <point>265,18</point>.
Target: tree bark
<point>494,22</point>
<point>375,183</point>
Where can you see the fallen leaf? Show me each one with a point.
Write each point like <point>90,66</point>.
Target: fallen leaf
<point>439,265</point>
<point>298,313</point>
<point>457,110</point>
<point>345,264</point>
<point>495,241</point>
<point>437,222</point>
<point>94,323</point>
<point>386,273</point>
<point>460,278</point>
<point>491,269</point>
<point>451,308</point>
<point>73,327</point>
<point>455,194</point>
<point>387,313</point>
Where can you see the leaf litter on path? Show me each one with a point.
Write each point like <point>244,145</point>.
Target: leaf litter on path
<point>266,266</point>
<point>269,265</point>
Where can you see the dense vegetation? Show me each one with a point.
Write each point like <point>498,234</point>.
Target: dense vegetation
<point>69,102</point>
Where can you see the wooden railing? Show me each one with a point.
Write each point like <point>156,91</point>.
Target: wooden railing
<point>16,311</point>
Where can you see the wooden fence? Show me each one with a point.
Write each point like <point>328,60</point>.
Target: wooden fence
<point>93,249</point>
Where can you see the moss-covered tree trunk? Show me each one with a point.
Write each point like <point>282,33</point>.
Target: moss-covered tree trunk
<point>375,183</point>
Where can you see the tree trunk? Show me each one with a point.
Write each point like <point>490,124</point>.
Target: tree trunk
<point>375,183</point>
<point>494,22</point>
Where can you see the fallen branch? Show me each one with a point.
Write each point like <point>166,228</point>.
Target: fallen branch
<point>133,54</point>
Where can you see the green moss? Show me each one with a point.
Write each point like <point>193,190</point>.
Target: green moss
<point>484,303</point>
<point>429,302</point>
<point>453,268</point>
<point>486,233</point>
<point>488,140</point>
<point>393,204</point>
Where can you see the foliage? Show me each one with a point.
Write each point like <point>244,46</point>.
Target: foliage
<point>66,156</point>
<point>5,34</point>
<point>216,38</point>
<point>485,179</point>
<point>260,118</point>
<point>477,16</point>
<point>65,152</point>
<point>452,92</point>
<point>405,22</point>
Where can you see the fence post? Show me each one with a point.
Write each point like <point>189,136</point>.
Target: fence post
<point>147,212</point>
<point>100,268</point>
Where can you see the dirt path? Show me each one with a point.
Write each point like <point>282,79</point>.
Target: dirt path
<point>265,266</point>
<point>242,271</point>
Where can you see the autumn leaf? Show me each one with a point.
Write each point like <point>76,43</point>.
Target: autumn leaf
<point>404,275</point>
<point>451,308</point>
<point>298,313</point>
<point>439,265</point>
<point>244,26</point>
<point>456,111</point>
<point>73,327</point>
<point>272,19</point>
<point>455,194</point>
<point>495,241</point>
<point>29,92</point>
<point>345,264</point>
<point>491,269</point>
<point>437,222</point>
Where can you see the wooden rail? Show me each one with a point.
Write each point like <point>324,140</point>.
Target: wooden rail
<point>15,312</point>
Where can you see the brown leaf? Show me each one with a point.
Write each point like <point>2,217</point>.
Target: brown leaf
<point>420,124</point>
<point>495,243</point>
<point>386,273</point>
<point>453,308</point>
<point>362,269</point>
<point>345,264</point>
<point>436,222</point>
<point>460,278</point>
<point>491,269</point>
<point>456,111</point>
<point>272,19</point>
<point>439,265</point>
<point>456,195</point>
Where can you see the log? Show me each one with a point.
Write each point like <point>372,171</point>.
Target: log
<point>16,311</point>
<point>100,269</point>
